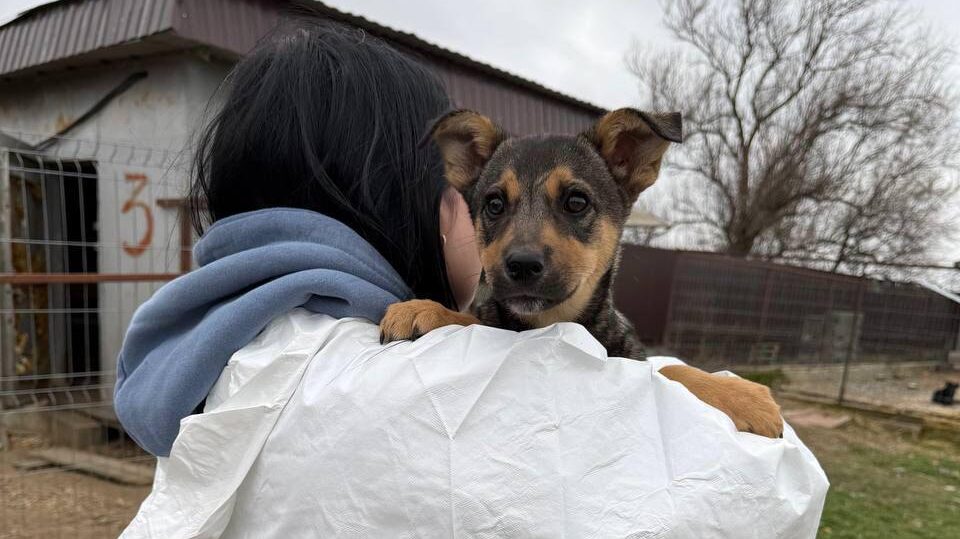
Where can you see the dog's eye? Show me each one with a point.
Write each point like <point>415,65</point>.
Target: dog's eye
<point>576,202</point>
<point>494,205</point>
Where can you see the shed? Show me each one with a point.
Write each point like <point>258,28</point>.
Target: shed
<point>98,103</point>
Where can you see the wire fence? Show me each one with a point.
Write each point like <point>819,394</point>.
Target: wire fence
<point>89,230</point>
<point>878,343</point>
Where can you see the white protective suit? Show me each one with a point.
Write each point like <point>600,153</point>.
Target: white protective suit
<point>316,430</point>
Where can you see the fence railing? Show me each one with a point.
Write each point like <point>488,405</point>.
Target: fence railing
<point>88,230</point>
<point>817,333</point>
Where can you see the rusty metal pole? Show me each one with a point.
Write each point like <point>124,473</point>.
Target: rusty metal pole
<point>7,333</point>
<point>854,337</point>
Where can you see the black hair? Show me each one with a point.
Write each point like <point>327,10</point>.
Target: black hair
<point>327,118</point>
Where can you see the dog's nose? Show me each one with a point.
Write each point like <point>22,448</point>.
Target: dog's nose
<point>524,266</point>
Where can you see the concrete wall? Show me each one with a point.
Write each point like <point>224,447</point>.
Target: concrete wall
<point>141,144</point>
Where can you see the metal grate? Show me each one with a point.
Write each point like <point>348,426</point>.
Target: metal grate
<point>722,310</point>
<point>88,230</point>
<point>820,334</point>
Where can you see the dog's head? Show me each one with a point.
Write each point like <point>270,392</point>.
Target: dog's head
<point>549,210</point>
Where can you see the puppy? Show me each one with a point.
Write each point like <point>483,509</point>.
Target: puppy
<point>549,212</point>
<point>946,396</point>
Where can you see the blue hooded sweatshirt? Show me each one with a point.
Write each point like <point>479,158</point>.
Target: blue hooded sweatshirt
<point>253,267</point>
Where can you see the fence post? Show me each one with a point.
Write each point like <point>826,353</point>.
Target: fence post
<point>7,333</point>
<point>764,309</point>
<point>668,329</point>
<point>854,337</point>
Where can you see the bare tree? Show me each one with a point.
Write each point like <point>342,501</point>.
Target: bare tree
<point>821,129</point>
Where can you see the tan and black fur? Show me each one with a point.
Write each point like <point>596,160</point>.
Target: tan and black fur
<point>549,211</point>
<point>542,262</point>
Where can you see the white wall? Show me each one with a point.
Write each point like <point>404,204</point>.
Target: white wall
<point>143,133</point>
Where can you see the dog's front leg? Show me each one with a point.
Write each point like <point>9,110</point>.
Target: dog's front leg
<point>417,317</point>
<point>748,404</point>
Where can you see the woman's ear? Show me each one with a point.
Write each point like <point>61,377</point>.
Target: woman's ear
<point>632,143</point>
<point>466,140</point>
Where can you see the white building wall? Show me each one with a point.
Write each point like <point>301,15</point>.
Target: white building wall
<point>140,141</point>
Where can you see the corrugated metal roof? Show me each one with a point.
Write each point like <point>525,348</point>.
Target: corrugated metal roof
<point>417,43</point>
<point>233,26</point>
<point>73,27</point>
<point>65,30</point>
<point>519,110</point>
<point>945,293</point>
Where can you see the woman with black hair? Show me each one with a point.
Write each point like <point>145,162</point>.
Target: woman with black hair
<point>320,196</point>
<point>318,208</point>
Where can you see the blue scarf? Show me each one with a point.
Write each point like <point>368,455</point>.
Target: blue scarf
<point>253,267</point>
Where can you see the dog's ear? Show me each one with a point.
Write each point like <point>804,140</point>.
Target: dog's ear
<point>466,140</point>
<point>632,143</point>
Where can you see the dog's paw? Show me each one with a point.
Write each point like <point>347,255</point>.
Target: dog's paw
<point>751,407</point>
<point>748,404</point>
<point>414,318</point>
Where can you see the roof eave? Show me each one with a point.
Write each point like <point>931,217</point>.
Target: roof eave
<point>182,24</point>
<point>421,45</point>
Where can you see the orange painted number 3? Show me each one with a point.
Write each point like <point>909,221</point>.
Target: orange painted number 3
<point>139,182</point>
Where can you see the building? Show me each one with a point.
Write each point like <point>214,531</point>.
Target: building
<point>98,100</point>
<point>642,226</point>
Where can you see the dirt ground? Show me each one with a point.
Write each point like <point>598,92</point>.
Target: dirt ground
<point>896,387</point>
<point>54,503</point>
<point>64,504</point>
<point>910,392</point>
